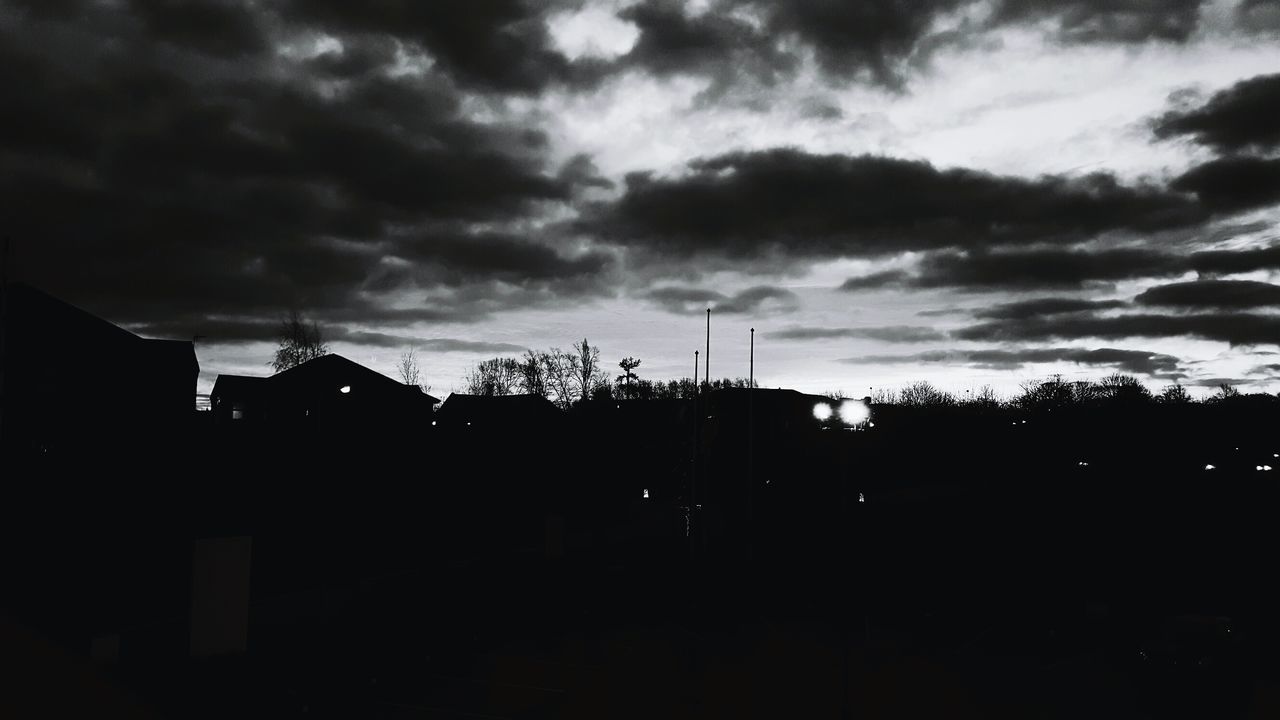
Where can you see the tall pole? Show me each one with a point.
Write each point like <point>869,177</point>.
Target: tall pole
<point>706,359</point>
<point>751,449</point>
<point>693,473</point>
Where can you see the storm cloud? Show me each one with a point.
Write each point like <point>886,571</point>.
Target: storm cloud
<point>1241,117</point>
<point>789,203</point>
<point>758,299</point>
<point>1130,361</point>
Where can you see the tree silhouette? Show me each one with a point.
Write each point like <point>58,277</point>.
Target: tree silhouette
<point>628,364</point>
<point>410,370</point>
<point>299,341</point>
<point>1174,394</point>
<point>533,378</point>
<point>584,361</point>
<point>496,376</point>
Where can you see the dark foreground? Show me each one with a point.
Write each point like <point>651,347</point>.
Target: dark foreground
<point>992,568</point>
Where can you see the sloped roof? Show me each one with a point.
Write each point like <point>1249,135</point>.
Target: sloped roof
<point>459,407</point>
<point>326,370</point>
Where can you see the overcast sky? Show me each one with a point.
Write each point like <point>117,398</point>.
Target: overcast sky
<point>965,192</point>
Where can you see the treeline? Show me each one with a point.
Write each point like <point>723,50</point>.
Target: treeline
<point>1057,392</point>
<point>567,377</point>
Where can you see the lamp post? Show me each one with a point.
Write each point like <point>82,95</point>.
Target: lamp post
<point>751,448</point>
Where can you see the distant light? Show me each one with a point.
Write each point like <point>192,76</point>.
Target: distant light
<point>1266,468</point>
<point>1210,467</point>
<point>433,423</point>
<point>344,389</point>
<point>854,412</point>
<point>1082,463</point>
<point>646,493</point>
<point>822,411</point>
<point>861,497</point>
<point>468,423</point>
<point>1258,468</point>
<point>871,424</point>
<point>1024,422</point>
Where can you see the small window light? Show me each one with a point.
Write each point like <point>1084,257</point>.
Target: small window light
<point>344,389</point>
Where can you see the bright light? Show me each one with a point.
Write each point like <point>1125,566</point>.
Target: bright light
<point>344,389</point>
<point>1258,468</point>
<point>1266,468</point>
<point>822,411</point>
<point>853,412</point>
<point>1210,467</point>
<point>1082,463</point>
<point>861,497</point>
<point>646,493</point>
<point>433,423</point>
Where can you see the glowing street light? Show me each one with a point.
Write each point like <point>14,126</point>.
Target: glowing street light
<point>822,411</point>
<point>344,389</point>
<point>854,412</point>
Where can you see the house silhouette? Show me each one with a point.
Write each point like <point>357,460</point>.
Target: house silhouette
<point>329,395</point>
<point>50,346</point>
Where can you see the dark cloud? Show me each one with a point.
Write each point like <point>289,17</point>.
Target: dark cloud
<point>1056,268</point>
<point>150,175</point>
<point>1232,328</point>
<point>225,28</point>
<point>714,44</point>
<point>1223,294</point>
<point>891,333</point>
<point>877,41</point>
<point>1225,262</point>
<point>471,346</point>
<point>1041,268</point>
<point>1216,382</point>
<point>788,203</point>
<point>758,299</point>
<point>1130,361</point>
<point>1233,183</point>
<point>876,280</point>
<point>1271,369</point>
<point>1241,117</point>
<point>499,45</point>
<point>1041,307</point>
<point>1107,21</point>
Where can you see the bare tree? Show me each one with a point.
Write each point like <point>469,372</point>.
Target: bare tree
<point>1174,394</point>
<point>300,341</point>
<point>533,378</point>
<point>559,372</point>
<point>411,371</point>
<point>497,376</point>
<point>922,393</point>
<point>584,360</point>
<point>408,367</point>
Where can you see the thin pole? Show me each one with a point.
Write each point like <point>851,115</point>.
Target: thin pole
<point>751,449</point>
<point>707,358</point>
